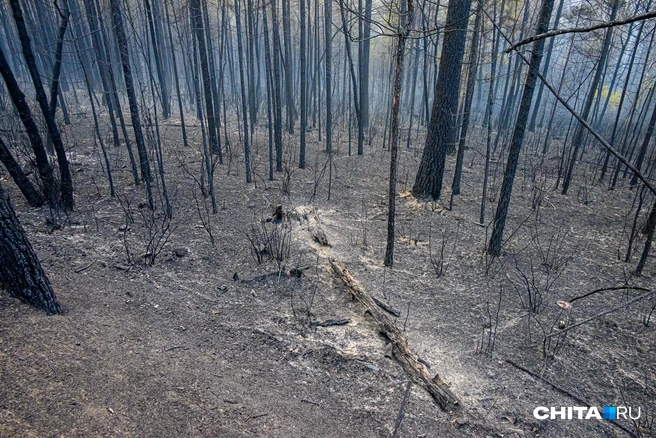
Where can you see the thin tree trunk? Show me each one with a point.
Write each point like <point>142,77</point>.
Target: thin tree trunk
<point>87,81</point>
<point>56,70</point>
<point>404,31</point>
<point>244,104</point>
<point>577,140</point>
<point>32,196</point>
<point>303,67</point>
<point>469,95</point>
<point>645,141</point>
<point>289,83</point>
<point>124,53</point>
<point>64,172</point>
<point>50,188</point>
<point>328,18</point>
<point>197,23</point>
<point>277,101</point>
<point>175,76</point>
<point>158,53</point>
<point>518,135</point>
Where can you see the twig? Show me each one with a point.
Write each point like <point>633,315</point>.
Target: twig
<point>399,418</point>
<point>610,288</point>
<point>331,322</point>
<point>387,308</point>
<point>580,119</point>
<point>606,312</point>
<point>556,32</point>
<point>84,268</point>
<point>310,402</point>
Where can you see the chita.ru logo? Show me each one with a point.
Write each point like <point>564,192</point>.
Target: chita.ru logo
<point>586,413</point>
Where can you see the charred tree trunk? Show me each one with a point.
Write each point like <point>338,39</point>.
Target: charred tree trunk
<point>303,67</point>
<point>124,53</point>
<point>158,53</point>
<point>56,70</point>
<point>34,198</point>
<point>645,142</point>
<point>175,76</point>
<point>277,101</point>
<point>442,128</point>
<point>64,171</point>
<point>50,190</point>
<point>197,23</point>
<point>577,140</point>
<point>244,105</point>
<point>328,19</point>
<point>289,83</point>
<point>520,128</point>
<point>20,271</point>
<point>404,31</point>
<point>469,95</point>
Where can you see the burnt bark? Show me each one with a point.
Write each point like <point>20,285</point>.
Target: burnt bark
<point>50,188</point>
<point>124,52</point>
<point>442,128</point>
<point>494,247</point>
<point>32,196</point>
<point>20,271</point>
<point>64,171</point>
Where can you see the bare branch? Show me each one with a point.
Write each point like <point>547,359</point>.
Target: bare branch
<point>555,32</point>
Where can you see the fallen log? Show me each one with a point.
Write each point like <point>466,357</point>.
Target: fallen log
<point>439,391</point>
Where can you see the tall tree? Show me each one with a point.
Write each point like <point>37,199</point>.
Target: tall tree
<point>494,247</point>
<point>405,25</point>
<point>545,69</point>
<point>289,66</point>
<point>303,72</point>
<point>197,23</point>
<point>244,105</point>
<point>442,129</point>
<point>277,102</point>
<point>577,139</point>
<point>64,171</point>
<point>157,48</point>
<point>124,52</point>
<point>20,271</point>
<point>32,196</point>
<point>50,190</point>
<point>469,95</point>
<point>328,20</point>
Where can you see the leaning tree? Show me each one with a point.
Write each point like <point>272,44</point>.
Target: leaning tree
<point>20,271</point>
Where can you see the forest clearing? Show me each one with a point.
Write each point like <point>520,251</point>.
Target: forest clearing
<point>439,223</point>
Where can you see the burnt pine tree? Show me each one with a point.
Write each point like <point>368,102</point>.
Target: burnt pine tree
<point>469,95</point>
<point>26,45</point>
<point>32,196</point>
<point>442,128</point>
<point>577,140</point>
<point>157,52</point>
<point>328,20</point>
<point>303,72</point>
<point>56,69</point>
<point>197,23</point>
<point>242,85</point>
<point>404,31</point>
<point>20,271</point>
<point>124,53</point>
<point>25,114</point>
<point>494,247</point>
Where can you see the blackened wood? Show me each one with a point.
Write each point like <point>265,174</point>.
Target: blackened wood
<point>20,270</point>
